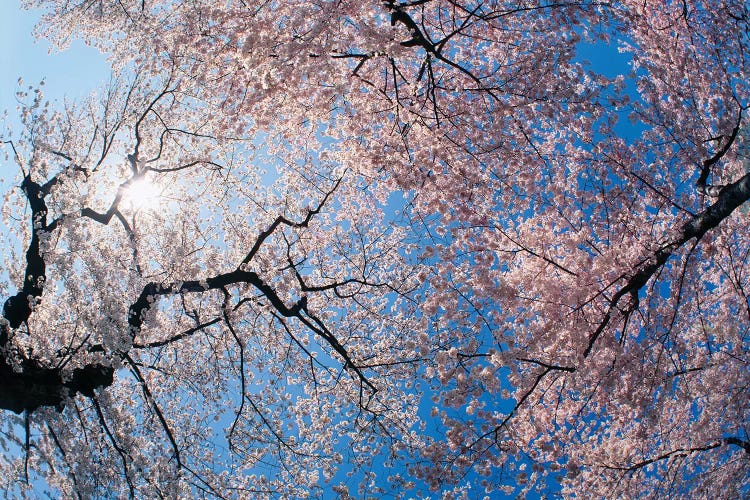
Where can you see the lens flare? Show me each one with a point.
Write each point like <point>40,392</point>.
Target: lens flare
<point>143,195</point>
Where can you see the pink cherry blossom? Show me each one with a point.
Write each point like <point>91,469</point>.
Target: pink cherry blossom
<point>406,248</point>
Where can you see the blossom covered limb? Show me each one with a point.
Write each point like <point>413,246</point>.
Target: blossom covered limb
<point>30,384</point>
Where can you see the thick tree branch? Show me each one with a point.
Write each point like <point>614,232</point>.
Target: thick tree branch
<point>29,384</point>
<point>704,188</point>
<point>745,445</point>
<point>730,198</point>
<point>152,291</point>
<point>35,385</point>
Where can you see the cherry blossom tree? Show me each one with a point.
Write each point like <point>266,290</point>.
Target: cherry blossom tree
<point>423,240</point>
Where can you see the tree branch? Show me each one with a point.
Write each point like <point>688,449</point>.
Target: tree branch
<point>704,188</point>
<point>730,198</point>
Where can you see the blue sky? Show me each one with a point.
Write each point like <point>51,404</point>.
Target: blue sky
<point>80,70</point>
<point>73,73</point>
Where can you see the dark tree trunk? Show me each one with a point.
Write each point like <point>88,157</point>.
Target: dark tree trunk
<point>29,384</point>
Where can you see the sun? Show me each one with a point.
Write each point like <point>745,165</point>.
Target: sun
<point>142,194</point>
